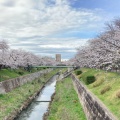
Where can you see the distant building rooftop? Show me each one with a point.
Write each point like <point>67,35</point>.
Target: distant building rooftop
<point>58,57</point>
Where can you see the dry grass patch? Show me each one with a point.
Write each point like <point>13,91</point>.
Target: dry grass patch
<point>98,82</point>
<point>105,89</point>
<point>118,94</point>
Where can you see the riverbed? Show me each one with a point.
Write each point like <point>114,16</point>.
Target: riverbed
<point>39,106</point>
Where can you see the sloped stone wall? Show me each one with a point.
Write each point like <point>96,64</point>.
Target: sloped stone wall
<point>93,107</point>
<point>8,85</point>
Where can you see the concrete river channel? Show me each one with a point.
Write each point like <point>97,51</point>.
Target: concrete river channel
<point>40,104</point>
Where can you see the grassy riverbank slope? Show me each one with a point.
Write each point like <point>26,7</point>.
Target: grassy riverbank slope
<point>8,73</point>
<point>106,87</point>
<point>65,105</point>
<point>13,100</point>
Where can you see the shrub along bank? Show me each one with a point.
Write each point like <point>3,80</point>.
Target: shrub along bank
<point>105,85</point>
<point>14,100</point>
<point>65,105</point>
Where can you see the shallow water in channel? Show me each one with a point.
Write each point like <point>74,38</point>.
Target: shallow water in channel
<point>39,106</point>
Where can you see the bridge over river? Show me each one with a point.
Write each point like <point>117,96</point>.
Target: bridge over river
<point>55,66</point>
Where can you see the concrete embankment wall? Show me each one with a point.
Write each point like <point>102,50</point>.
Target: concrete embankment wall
<point>93,107</point>
<point>66,73</point>
<point>8,85</point>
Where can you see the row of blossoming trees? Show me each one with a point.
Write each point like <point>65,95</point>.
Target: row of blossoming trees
<point>102,52</point>
<point>15,58</point>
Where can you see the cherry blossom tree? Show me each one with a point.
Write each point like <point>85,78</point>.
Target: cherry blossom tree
<point>17,58</point>
<point>48,61</point>
<point>3,52</point>
<point>102,52</point>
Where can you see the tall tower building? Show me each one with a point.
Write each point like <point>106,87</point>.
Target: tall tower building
<point>58,57</point>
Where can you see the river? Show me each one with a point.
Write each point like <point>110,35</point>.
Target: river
<point>39,106</point>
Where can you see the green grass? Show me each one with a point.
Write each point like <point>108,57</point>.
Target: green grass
<point>65,105</point>
<point>13,100</point>
<point>104,79</point>
<point>6,74</point>
<point>63,70</point>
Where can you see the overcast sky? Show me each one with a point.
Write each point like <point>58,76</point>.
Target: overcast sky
<point>47,27</point>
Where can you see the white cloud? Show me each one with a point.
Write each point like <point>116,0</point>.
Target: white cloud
<point>29,18</point>
<point>64,43</point>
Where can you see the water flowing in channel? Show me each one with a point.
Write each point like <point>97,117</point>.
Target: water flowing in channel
<point>39,106</point>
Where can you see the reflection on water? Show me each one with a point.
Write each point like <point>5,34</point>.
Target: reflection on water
<point>37,109</point>
<point>47,92</point>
